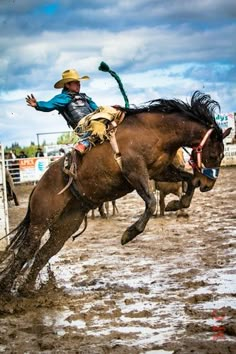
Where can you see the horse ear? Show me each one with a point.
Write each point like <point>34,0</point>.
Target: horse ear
<point>226,132</point>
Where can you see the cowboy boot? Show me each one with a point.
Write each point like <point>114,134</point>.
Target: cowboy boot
<point>82,146</point>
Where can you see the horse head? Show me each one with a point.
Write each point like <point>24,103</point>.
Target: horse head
<point>206,158</point>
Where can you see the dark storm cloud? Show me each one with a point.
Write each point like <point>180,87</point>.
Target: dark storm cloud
<point>29,16</point>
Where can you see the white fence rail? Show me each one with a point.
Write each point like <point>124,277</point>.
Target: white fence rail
<point>4,221</point>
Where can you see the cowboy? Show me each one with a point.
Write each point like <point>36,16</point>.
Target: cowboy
<point>72,104</point>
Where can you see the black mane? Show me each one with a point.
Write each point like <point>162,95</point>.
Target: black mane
<point>201,108</point>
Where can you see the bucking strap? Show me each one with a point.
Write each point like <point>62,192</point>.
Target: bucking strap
<point>114,145</point>
<point>70,169</point>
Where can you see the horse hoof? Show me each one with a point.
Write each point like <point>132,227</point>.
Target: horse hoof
<point>173,205</point>
<point>185,201</point>
<point>128,236</point>
<point>125,238</point>
<point>182,214</point>
<point>5,293</point>
<point>25,291</point>
<point>6,286</point>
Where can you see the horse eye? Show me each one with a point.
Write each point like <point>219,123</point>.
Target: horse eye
<point>213,155</point>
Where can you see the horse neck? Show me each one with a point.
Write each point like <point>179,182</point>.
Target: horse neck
<point>184,132</point>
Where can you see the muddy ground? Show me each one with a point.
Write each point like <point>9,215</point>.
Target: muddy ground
<point>171,290</point>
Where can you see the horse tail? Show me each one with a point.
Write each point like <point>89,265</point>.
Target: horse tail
<point>21,230</point>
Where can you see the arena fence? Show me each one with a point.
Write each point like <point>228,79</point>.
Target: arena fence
<point>31,169</point>
<point>4,220</point>
<point>230,155</point>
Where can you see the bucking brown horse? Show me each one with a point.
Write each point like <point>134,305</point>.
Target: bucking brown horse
<point>148,139</point>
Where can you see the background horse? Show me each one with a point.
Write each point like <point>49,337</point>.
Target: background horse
<point>148,139</point>
<point>104,210</point>
<point>166,188</point>
<point>11,190</point>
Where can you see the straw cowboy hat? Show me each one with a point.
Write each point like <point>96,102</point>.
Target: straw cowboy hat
<point>68,76</point>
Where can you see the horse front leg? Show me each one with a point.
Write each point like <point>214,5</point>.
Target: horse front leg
<point>184,201</point>
<point>139,179</point>
<point>186,198</point>
<point>174,174</point>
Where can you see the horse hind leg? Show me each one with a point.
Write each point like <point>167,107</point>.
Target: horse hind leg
<point>107,205</point>
<point>93,214</point>
<point>15,198</point>
<point>63,228</point>
<point>102,208</point>
<point>114,208</point>
<point>162,203</point>
<point>24,254</point>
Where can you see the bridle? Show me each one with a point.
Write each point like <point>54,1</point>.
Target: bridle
<point>211,173</point>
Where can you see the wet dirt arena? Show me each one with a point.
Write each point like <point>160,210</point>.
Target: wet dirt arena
<point>170,290</point>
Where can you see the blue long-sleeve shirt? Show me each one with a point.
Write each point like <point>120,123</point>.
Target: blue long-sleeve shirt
<point>58,102</point>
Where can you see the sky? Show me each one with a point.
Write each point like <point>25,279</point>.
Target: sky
<point>160,49</point>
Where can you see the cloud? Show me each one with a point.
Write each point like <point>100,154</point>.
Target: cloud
<point>135,49</point>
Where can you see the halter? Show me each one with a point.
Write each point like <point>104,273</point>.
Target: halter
<point>211,173</point>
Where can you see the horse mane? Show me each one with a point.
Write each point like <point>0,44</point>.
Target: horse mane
<point>201,108</point>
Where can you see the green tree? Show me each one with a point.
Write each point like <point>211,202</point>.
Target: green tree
<point>65,138</point>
